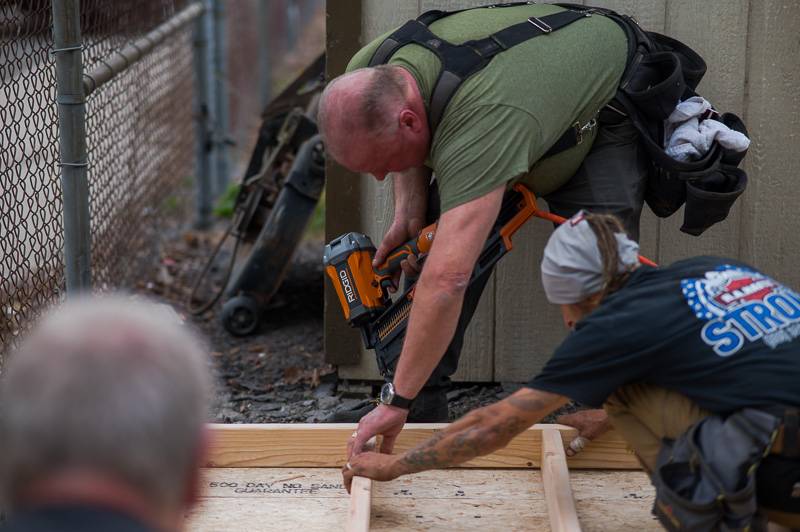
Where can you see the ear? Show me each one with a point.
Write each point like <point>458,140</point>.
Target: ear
<point>410,120</point>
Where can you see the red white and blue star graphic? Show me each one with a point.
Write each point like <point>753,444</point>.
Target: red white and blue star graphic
<point>742,305</point>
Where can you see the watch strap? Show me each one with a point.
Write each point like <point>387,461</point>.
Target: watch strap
<point>401,402</point>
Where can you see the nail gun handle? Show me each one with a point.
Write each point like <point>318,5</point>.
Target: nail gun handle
<point>416,246</point>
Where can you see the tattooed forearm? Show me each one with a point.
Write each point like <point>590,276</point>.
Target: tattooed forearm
<point>423,456</point>
<point>482,431</point>
<point>526,403</point>
<point>474,435</point>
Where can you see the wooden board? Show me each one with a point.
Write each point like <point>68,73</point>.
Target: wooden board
<point>557,489</point>
<point>244,499</point>
<point>360,508</point>
<point>324,445</point>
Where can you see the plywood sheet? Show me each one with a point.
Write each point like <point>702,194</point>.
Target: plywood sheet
<point>314,499</point>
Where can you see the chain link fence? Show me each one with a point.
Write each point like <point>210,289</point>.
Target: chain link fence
<point>156,130</point>
<point>140,138</point>
<point>31,233</point>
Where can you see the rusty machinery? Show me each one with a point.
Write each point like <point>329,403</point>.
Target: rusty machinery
<point>279,191</point>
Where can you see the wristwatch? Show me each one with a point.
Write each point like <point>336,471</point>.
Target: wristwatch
<point>389,397</point>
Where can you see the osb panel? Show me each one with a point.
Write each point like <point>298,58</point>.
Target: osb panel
<point>315,499</point>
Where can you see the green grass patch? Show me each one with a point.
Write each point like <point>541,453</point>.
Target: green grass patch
<point>226,203</point>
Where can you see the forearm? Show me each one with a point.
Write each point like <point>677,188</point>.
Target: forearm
<point>439,294</point>
<point>465,439</point>
<point>411,193</point>
<point>480,432</point>
<point>431,325</point>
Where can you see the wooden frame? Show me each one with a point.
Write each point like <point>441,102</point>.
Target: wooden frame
<point>325,445</point>
<point>240,451</point>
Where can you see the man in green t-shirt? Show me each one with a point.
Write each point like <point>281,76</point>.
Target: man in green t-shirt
<point>494,132</point>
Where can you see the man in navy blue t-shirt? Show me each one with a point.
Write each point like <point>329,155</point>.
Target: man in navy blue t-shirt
<point>658,348</point>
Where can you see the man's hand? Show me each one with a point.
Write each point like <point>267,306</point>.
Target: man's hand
<point>376,466</point>
<point>401,231</point>
<point>385,420</point>
<point>590,425</point>
<point>410,205</point>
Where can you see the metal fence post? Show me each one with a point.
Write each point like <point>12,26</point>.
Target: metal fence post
<point>67,48</point>
<point>264,69</point>
<point>292,24</point>
<point>202,119</point>
<point>222,132</point>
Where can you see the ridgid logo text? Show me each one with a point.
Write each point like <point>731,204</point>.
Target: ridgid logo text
<point>347,287</point>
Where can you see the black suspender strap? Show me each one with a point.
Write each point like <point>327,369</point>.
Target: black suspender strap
<point>461,61</point>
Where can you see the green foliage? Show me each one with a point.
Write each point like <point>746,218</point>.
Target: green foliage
<point>227,201</point>
<point>171,204</point>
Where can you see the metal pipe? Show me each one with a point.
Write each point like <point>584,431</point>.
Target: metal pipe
<point>120,60</point>
<point>222,130</point>
<point>264,68</point>
<point>292,24</point>
<point>202,121</point>
<point>67,48</point>
<point>211,99</point>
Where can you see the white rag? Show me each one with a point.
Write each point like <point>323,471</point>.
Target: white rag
<point>690,139</point>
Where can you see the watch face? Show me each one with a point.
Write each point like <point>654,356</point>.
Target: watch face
<point>387,393</point>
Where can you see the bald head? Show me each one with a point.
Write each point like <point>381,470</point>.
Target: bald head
<point>362,102</point>
<point>370,107</point>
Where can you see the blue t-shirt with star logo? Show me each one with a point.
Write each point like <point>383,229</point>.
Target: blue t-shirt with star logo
<point>716,330</point>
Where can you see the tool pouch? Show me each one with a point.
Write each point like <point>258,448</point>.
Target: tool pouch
<point>709,199</point>
<point>705,479</point>
<point>661,73</point>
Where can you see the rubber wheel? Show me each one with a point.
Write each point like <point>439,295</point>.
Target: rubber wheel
<point>240,316</point>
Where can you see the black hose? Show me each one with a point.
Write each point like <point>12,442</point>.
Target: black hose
<point>198,310</point>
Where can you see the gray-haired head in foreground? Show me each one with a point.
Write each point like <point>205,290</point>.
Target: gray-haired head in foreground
<point>110,386</point>
<point>572,266</point>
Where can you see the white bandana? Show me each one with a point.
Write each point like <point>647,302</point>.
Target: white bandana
<point>572,268</point>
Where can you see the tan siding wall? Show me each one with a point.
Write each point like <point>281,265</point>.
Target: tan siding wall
<point>753,52</point>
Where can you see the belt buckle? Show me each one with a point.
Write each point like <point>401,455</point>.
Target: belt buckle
<point>540,24</point>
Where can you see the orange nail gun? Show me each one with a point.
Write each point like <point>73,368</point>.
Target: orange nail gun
<point>362,290</point>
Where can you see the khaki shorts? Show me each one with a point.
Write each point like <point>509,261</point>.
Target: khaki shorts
<point>645,414</point>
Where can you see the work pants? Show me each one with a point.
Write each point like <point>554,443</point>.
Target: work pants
<point>645,414</point>
<point>611,179</point>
